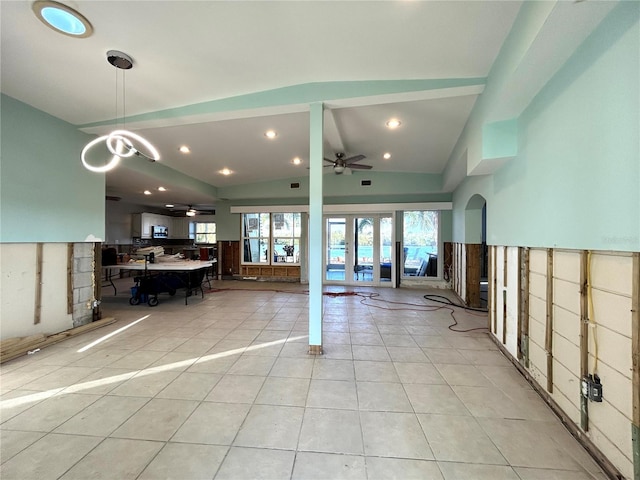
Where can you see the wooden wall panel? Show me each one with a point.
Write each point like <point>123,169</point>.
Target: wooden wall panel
<point>566,295</point>
<point>567,353</point>
<point>567,324</point>
<point>537,285</point>
<point>566,265</point>
<point>612,272</point>
<point>610,431</point>
<point>473,256</point>
<point>538,260</point>
<point>563,378</point>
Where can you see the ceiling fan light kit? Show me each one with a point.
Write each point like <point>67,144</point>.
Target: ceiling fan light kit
<point>120,142</point>
<point>342,165</point>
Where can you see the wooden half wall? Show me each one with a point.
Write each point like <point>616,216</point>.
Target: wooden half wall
<point>467,268</point>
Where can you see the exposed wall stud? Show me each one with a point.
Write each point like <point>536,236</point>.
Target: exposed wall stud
<point>70,278</point>
<point>38,293</point>
<point>520,299</point>
<point>524,307</point>
<point>504,266</point>
<point>584,338</point>
<point>495,292</point>
<point>548,341</point>
<point>504,316</point>
<point>635,355</point>
<point>490,276</point>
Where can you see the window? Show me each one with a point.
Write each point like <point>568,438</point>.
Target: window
<point>286,237</point>
<point>420,243</point>
<point>205,232</point>
<point>271,238</point>
<point>256,237</point>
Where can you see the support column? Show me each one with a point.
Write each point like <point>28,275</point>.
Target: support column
<point>316,155</point>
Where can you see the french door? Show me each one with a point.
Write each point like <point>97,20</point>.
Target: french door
<point>359,249</point>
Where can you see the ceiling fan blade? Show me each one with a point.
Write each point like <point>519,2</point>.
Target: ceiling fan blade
<point>353,159</point>
<point>330,161</point>
<point>359,166</point>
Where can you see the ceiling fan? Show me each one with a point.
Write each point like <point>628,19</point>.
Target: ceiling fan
<point>193,210</point>
<point>340,163</point>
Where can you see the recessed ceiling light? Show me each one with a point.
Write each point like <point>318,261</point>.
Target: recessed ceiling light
<point>296,161</point>
<point>162,189</point>
<point>270,134</point>
<point>147,192</point>
<point>393,123</point>
<point>185,149</point>
<point>386,156</point>
<point>225,171</point>
<point>169,205</point>
<point>62,19</point>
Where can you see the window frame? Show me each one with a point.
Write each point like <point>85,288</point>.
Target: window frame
<point>293,238</point>
<point>270,239</point>
<point>196,233</point>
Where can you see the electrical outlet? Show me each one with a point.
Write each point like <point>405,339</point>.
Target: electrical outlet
<point>584,387</point>
<point>591,388</point>
<point>595,390</point>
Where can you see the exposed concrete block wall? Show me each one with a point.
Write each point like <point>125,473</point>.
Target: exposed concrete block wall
<point>611,279</point>
<point>83,283</point>
<point>18,292</point>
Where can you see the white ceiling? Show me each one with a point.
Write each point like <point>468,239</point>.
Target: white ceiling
<point>193,52</point>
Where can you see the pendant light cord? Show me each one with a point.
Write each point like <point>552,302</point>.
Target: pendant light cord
<point>124,101</point>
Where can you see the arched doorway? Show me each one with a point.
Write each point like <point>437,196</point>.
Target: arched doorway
<point>476,270</point>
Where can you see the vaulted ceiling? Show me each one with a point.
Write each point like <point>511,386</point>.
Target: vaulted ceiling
<point>215,75</point>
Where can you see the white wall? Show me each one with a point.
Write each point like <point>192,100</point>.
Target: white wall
<point>18,287</point>
<point>611,280</point>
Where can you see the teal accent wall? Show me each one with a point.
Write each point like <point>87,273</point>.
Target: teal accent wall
<point>575,182</point>
<point>45,193</point>
<point>500,139</point>
<point>382,183</point>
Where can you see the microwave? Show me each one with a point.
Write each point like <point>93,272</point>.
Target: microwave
<point>159,231</point>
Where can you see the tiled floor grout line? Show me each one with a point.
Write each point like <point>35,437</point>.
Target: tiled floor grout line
<point>383,324</point>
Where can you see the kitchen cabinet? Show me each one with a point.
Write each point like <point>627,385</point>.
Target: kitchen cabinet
<point>141,223</point>
<point>179,228</point>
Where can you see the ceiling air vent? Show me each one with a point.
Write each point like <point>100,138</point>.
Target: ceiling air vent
<point>295,185</point>
<point>365,183</point>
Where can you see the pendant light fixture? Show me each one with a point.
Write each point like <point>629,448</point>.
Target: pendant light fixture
<point>121,143</point>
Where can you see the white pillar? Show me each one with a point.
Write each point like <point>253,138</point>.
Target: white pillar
<point>316,114</point>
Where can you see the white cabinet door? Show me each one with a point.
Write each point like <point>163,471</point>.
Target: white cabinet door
<point>180,228</point>
<point>147,222</point>
<point>136,224</point>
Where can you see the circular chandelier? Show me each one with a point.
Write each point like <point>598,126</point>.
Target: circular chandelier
<point>120,143</point>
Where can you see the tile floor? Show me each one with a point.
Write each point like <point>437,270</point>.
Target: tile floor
<point>224,388</point>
